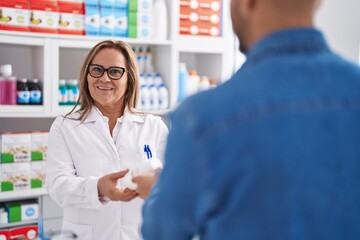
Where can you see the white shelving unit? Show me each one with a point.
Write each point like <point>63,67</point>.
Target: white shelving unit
<point>50,57</point>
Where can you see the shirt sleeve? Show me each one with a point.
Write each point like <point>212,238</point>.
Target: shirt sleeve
<point>169,211</point>
<point>64,187</point>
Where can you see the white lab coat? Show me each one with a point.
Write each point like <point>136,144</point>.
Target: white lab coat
<point>80,153</point>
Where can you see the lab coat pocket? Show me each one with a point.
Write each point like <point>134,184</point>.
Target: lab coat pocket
<point>147,150</point>
<point>83,232</point>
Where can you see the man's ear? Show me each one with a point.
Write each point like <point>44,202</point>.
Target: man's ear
<point>248,6</point>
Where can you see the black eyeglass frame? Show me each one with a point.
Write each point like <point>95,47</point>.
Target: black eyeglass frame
<point>106,70</point>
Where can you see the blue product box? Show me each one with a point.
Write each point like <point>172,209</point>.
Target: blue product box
<point>121,22</point>
<point>92,20</point>
<point>92,2</point>
<point>107,3</point>
<point>107,21</point>
<point>122,4</point>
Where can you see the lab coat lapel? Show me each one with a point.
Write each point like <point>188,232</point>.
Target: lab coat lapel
<point>101,127</point>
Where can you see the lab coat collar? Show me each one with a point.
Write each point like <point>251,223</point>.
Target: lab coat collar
<point>95,115</point>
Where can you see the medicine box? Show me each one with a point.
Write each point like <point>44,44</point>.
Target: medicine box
<point>92,20</point>
<point>122,4</point>
<point>141,6</point>
<point>71,17</point>
<point>29,232</point>
<point>14,15</point>
<point>142,32</point>
<point>39,145</point>
<point>44,16</point>
<point>4,234</point>
<point>15,147</point>
<point>141,19</point>
<point>121,22</point>
<point>22,211</point>
<point>107,21</point>
<point>15,176</point>
<point>37,175</point>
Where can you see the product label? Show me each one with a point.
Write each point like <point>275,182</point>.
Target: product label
<point>23,97</point>
<point>35,96</point>
<point>14,17</point>
<point>44,19</point>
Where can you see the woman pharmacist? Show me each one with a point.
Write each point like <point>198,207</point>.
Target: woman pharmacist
<point>91,150</point>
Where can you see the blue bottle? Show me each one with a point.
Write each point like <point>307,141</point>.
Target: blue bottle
<point>23,93</point>
<point>35,92</point>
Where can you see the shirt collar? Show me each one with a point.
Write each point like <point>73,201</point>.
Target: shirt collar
<point>95,114</point>
<point>288,40</point>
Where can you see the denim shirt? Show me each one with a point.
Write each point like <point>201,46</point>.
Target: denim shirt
<point>274,153</point>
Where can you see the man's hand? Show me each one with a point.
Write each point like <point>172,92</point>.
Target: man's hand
<point>144,184</point>
<point>107,186</point>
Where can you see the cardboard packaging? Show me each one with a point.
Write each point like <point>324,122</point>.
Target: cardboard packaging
<point>71,17</point>
<point>39,145</point>
<point>44,16</point>
<point>15,147</point>
<point>14,15</point>
<point>29,232</point>
<point>15,176</point>
<point>38,174</point>
<point>92,18</point>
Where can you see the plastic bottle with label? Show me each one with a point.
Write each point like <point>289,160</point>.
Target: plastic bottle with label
<point>73,91</point>
<point>35,92</point>
<point>183,81</point>
<point>193,84</point>
<point>8,88</point>
<point>148,65</point>
<point>63,92</point>
<point>144,94</point>
<point>154,93</point>
<point>23,93</point>
<point>160,20</point>
<point>204,83</point>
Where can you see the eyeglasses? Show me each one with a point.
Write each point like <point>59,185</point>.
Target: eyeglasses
<point>114,73</point>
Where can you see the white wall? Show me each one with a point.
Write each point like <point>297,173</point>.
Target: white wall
<point>340,22</point>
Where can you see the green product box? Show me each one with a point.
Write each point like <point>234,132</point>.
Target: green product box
<point>132,19</point>
<point>133,5</point>
<point>15,176</point>
<point>132,31</point>
<point>38,174</point>
<point>14,212</point>
<point>15,147</point>
<point>39,145</point>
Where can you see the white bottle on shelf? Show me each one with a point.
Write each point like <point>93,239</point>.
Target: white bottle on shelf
<point>144,99</point>
<point>183,81</point>
<point>193,84</point>
<point>163,97</point>
<point>160,20</point>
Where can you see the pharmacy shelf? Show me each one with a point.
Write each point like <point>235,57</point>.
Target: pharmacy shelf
<point>16,224</point>
<point>25,194</point>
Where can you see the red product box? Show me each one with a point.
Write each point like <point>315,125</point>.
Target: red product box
<point>4,234</point>
<point>14,15</point>
<point>27,233</point>
<point>44,16</point>
<point>71,17</point>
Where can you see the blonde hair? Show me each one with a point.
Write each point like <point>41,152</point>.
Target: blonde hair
<point>131,92</point>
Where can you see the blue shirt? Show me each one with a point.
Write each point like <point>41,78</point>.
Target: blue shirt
<point>274,153</point>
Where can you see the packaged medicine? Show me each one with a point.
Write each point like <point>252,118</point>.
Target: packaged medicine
<point>38,171</point>
<point>15,147</point>
<point>15,176</point>
<point>39,145</point>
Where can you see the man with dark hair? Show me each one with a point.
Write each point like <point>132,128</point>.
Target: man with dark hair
<point>274,153</point>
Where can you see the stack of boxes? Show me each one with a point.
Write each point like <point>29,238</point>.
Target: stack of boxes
<point>92,17</point>
<point>121,18</point>
<point>141,19</point>
<point>200,17</point>
<point>22,160</point>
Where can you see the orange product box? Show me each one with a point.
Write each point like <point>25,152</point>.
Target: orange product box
<point>199,29</point>
<point>14,15</point>
<point>213,5</point>
<point>71,17</point>
<point>29,232</point>
<point>44,16</point>
<point>4,234</point>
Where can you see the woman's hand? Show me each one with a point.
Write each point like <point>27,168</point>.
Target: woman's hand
<point>144,184</point>
<point>107,186</point>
